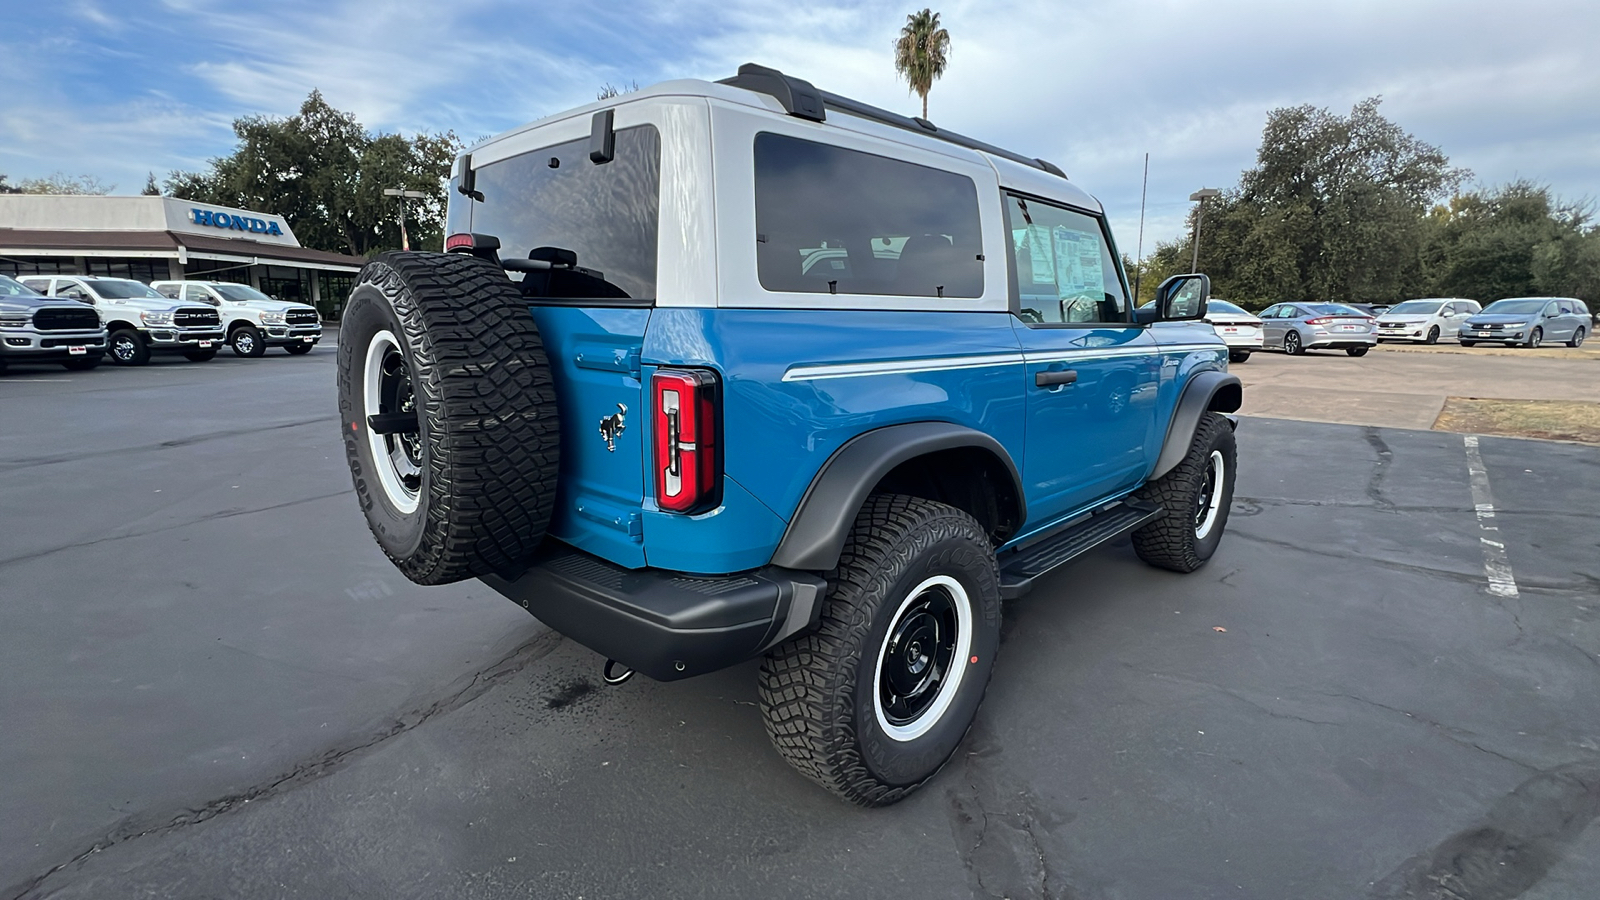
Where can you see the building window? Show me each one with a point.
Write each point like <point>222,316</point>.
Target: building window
<point>334,289</point>
<point>36,265</point>
<point>145,270</point>
<point>216,270</point>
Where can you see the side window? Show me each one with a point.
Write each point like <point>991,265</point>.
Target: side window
<point>1449,309</point>
<point>1065,273</point>
<point>596,224</point>
<point>1270,312</point>
<point>168,290</point>
<point>72,289</point>
<point>836,221</point>
<point>1565,307</point>
<point>194,293</point>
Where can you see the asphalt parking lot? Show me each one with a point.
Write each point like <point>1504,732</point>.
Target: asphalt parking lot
<point>215,686</point>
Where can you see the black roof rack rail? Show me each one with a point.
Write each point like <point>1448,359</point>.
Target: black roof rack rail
<point>799,98</point>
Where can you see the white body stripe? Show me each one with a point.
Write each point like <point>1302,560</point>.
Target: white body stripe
<point>943,363</point>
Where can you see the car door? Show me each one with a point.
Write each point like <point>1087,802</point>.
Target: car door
<point>1552,323</point>
<point>1569,319</point>
<point>1449,320</point>
<point>1091,374</point>
<point>1271,328</point>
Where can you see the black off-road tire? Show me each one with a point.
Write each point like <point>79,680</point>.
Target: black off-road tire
<point>199,355</point>
<point>1172,542</point>
<point>468,355</point>
<point>136,351</point>
<point>819,695</point>
<point>248,341</point>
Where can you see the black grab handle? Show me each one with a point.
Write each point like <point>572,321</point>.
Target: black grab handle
<point>1050,379</point>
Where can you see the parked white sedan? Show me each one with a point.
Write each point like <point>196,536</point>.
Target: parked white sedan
<point>1239,328</point>
<point>1426,320</point>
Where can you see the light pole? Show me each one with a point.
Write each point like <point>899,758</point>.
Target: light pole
<point>405,242</point>
<point>1200,197</point>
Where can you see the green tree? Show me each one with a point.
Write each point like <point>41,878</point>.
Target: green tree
<point>324,172</point>
<point>1332,210</point>
<point>62,183</point>
<point>921,53</point>
<point>1515,240</point>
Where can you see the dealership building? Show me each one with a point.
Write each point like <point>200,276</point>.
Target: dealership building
<point>163,238</point>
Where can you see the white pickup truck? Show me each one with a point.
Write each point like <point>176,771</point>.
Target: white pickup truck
<point>140,321</point>
<point>253,320</point>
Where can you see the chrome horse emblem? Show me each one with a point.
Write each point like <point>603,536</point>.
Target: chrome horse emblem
<point>613,425</point>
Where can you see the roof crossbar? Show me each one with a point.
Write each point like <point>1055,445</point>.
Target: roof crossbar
<point>799,98</point>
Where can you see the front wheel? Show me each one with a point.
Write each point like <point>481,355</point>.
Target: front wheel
<point>247,341</point>
<point>128,348</point>
<point>1536,338</point>
<point>1577,339</point>
<point>1433,336</point>
<point>1195,496</point>
<point>1292,345</point>
<point>1359,351</point>
<point>873,703</point>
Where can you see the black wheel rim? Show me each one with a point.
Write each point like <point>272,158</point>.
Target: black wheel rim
<point>917,657</point>
<point>395,395</point>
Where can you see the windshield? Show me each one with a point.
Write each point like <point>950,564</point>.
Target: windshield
<point>121,289</point>
<point>1417,308</point>
<point>10,287</point>
<point>1515,307</point>
<point>239,293</point>
<point>1222,306</point>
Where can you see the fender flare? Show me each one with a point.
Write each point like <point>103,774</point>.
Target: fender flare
<point>1208,391</point>
<point>817,531</point>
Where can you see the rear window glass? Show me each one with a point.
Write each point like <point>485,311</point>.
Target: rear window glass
<point>1214,305</point>
<point>557,199</point>
<point>837,221</point>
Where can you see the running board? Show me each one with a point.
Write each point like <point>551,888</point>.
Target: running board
<point>1019,568</point>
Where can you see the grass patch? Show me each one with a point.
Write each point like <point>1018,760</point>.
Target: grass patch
<point>1551,420</point>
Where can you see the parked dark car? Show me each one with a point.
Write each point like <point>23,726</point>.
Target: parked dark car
<point>1529,321</point>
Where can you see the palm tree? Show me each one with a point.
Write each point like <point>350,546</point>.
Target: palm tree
<point>921,53</point>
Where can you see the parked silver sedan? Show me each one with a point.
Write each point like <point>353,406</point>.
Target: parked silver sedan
<point>1298,327</point>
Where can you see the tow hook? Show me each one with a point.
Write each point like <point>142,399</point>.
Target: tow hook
<point>615,673</point>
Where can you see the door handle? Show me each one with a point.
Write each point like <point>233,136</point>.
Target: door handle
<point>1051,379</point>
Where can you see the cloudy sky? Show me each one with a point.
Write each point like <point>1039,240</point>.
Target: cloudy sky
<point>117,88</point>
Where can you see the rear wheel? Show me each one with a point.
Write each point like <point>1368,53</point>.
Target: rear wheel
<point>128,348</point>
<point>1577,339</point>
<point>449,415</point>
<point>247,341</point>
<point>872,704</point>
<point>1196,496</point>
<point>1360,351</point>
<point>1292,345</point>
<point>1469,343</point>
<point>1433,336</point>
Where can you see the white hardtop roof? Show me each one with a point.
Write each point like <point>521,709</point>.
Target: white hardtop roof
<point>1012,175</point>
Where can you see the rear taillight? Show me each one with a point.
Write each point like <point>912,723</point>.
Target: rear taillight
<point>688,464</point>
<point>1319,321</point>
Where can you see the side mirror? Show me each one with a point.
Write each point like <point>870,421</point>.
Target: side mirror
<point>1183,297</point>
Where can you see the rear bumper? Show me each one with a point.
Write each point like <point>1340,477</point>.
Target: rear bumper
<point>1341,341</point>
<point>668,625</point>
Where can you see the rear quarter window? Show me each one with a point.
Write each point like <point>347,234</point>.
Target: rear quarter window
<point>830,220</point>
<point>607,214</point>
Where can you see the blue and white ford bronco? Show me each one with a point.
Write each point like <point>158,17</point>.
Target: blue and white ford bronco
<point>711,372</point>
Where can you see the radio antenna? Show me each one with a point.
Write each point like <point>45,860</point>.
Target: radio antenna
<point>1138,259</point>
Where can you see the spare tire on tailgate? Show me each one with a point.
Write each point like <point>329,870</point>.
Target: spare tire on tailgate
<point>449,415</point>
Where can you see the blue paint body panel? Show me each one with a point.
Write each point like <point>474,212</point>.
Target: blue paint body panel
<point>787,408</point>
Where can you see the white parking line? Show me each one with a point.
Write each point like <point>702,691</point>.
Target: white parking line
<point>1496,567</point>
